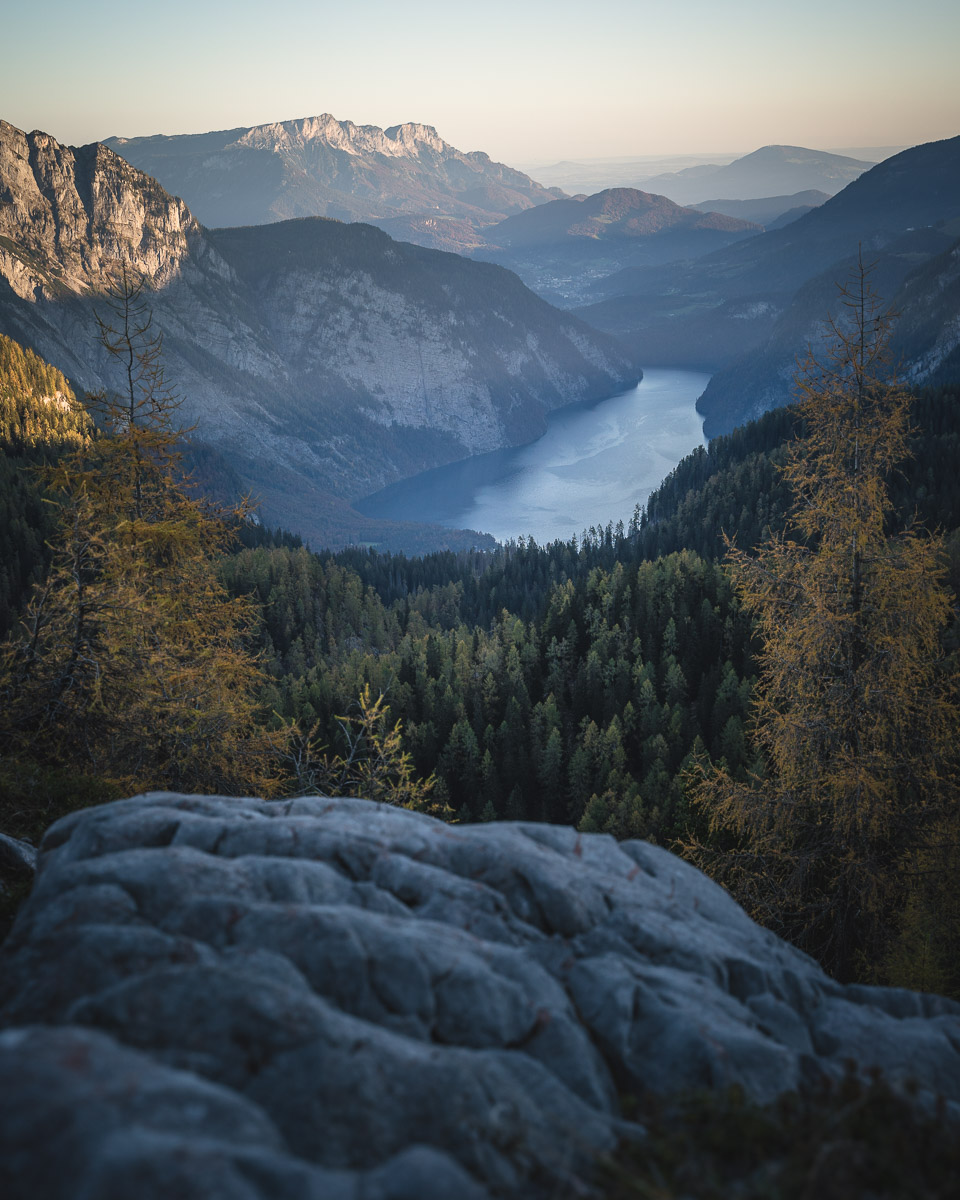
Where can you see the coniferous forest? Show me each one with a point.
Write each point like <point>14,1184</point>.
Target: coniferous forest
<point>595,682</point>
<point>759,672</point>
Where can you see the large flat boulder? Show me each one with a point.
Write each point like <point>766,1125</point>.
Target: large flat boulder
<point>322,997</point>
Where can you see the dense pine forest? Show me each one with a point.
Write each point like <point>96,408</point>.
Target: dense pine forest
<point>584,682</point>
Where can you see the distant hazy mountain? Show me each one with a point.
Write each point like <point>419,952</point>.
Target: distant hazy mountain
<point>611,215</point>
<point>559,247</point>
<point>761,299</point>
<point>768,211</point>
<point>320,166</point>
<point>769,171</point>
<point>596,174</point>
<point>324,360</point>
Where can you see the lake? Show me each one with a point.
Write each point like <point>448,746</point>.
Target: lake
<point>594,464</point>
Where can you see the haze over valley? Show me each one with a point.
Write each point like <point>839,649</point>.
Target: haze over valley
<point>367,279</point>
<point>323,359</point>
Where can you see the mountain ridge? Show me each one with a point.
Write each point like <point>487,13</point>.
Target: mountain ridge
<point>321,166</point>
<point>767,171</point>
<point>563,248</point>
<point>613,212</point>
<point>718,311</point>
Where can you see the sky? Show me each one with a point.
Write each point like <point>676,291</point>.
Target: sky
<point>528,81</point>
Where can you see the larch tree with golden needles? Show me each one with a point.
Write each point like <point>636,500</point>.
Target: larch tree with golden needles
<point>132,664</point>
<point>374,767</point>
<point>855,716</point>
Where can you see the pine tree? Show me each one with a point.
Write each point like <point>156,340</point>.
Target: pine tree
<point>132,664</point>
<point>854,716</point>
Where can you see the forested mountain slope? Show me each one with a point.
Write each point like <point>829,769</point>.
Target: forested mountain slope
<point>39,420</point>
<point>573,681</point>
<point>751,307</point>
<point>924,301</point>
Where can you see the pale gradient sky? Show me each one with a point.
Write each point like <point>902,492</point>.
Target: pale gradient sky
<point>528,81</point>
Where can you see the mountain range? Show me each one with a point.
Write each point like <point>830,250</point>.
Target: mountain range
<point>327,360</point>
<point>769,171</point>
<point>769,166</point>
<point>415,186</point>
<point>746,311</point>
<point>319,166</point>
<point>769,211</point>
<point>323,360</point>
<point>560,247</point>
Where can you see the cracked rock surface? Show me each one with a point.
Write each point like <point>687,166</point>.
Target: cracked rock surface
<point>332,998</point>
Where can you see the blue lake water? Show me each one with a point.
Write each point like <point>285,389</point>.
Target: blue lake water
<point>594,464</point>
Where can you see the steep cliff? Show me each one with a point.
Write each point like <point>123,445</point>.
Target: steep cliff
<point>323,359</point>
<point>69,214</point>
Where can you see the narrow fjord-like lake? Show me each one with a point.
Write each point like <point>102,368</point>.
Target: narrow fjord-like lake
<point>594,464</point>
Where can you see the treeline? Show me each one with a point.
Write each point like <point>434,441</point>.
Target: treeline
<point>569,682</point>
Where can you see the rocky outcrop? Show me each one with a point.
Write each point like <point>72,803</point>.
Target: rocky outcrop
<point>331,997</point>
<point>319,166</point>
<point>323,360</point>
<point>70,214</point>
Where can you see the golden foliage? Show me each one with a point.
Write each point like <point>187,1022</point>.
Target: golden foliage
<point>374,767</point>
<point>132,663</point>
<point>855,715</point>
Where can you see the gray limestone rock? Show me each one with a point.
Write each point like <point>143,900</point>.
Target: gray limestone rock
<point>84,1118</point>
<point>361,998</point>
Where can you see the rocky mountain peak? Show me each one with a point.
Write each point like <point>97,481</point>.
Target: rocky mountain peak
<point>69,214</point>
<point>412,136</point>
<point>399,141</point>
<point>321,166</point>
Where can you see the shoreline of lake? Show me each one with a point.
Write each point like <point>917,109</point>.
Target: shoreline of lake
<point>593,465</point>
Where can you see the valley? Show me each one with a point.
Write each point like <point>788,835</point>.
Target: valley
<point>479,644</point>
<point>322,361</point>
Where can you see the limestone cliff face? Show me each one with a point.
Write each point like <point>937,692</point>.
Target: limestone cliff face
<point>400,141</point>
<point>306,350</point>
<point>73,213</point>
